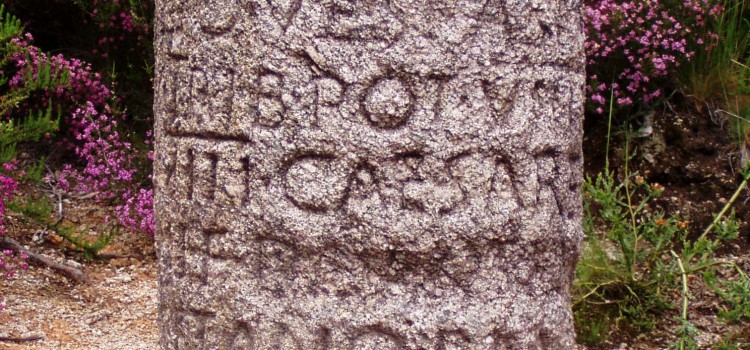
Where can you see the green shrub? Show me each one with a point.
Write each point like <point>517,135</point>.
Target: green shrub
<point>635,261</point>
<point>38,123</point>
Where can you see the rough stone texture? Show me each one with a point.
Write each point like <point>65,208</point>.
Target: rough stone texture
<point>381,174</point>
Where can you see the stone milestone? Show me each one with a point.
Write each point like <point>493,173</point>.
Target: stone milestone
<point>380,174</point>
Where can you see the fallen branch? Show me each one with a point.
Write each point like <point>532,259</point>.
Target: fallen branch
<point>65,270</point>
<point>21,340</point>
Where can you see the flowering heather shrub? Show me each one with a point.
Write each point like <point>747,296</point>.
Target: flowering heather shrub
<point>10,263</point>
<point>124,35</point>
<point>106,159</point>
<point>121,41</point>
<point>123,25</point>
<point>103,161</point>
<point>632,45</point>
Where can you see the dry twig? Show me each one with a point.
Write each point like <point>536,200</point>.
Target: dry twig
<point>65,270</point>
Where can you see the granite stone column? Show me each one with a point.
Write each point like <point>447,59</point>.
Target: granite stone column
<point>375,174</point>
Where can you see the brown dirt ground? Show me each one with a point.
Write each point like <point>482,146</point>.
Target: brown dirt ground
<point>689,154</point>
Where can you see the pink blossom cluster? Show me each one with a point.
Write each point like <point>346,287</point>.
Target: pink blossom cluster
<point>106,159</point>
<point>137,213</point>
<point>7,186</point>
<point>632,44</point>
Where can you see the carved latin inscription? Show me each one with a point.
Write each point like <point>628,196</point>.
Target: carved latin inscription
<point>388,103</point>
<point>381,174</point>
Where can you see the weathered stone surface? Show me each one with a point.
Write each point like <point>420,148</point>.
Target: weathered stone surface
<point>398,174</point>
